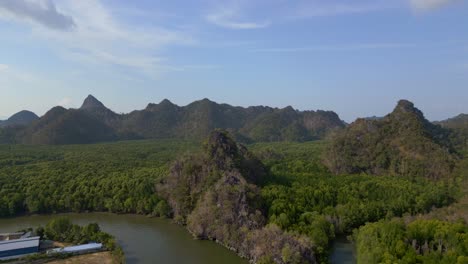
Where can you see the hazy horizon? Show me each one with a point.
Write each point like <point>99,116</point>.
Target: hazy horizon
<point>357,59</point>
<point>143,107</point>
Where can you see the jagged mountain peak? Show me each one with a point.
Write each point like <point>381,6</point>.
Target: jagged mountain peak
<point>166,102</point>
<point>405,104</point>
<point>405,107</point>
<point>92,103</point>
<point>203,101</point>
<point>402,143</point>
<point>289,109</point>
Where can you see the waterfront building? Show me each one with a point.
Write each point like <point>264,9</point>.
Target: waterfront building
<point>15,245</point>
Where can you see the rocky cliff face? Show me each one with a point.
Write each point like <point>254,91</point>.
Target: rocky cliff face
<point>215,196</point>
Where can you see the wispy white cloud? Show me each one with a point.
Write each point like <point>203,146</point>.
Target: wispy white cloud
<point>10,76</point>
<point>66,102</point>
<point>3,67</point>
<point>100,37</point>
<point>350,47</point>
<point>317,8</point>
<point>429,4</point>
<point>226,21</point>
<point>230,16</point>
<point>43,12</point>
<point>200,67</point>
<point>326,8</point>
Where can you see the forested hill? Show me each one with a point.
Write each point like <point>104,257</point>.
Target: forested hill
<point>459,126</point>
<point>93,122</point>
<point>214,193</point>
<point>458,122</point>
<point>401,143</point>
<point>21,118</point>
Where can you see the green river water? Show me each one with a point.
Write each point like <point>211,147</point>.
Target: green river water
<point>154,240</point>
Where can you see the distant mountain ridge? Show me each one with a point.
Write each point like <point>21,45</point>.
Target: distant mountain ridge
<point>458,122</point>
<point>459,126</point>
<point>94,122</point>
<point>19,119</point>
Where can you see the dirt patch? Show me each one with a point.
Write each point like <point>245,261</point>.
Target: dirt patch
<point>57,244</point>
<point>94,258</point>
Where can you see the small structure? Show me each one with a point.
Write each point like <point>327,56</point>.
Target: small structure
<point>81,249</point>
<point>15,245</point>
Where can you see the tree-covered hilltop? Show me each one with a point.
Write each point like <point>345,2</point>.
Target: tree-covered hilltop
<point>458,122</point>
<point>215,195</point>
<point>60,126</point>
<point>21,118</point>
<point>401,143</point>
<point>459,128</point>
<point>93,122</point>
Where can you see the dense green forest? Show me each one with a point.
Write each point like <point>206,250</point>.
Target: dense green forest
<point>288,193</point>
<point>459,126</point>
<point>116,177</point>
<point>421,241</point>
<point>440,236</point>
<point>302,196</point>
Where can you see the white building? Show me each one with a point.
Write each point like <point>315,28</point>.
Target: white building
<point>80,249</point>
<point>15,245</point>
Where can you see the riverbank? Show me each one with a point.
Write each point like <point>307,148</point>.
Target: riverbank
<point>104,257</point>
<point>57,238</point>
<point>142,239</point>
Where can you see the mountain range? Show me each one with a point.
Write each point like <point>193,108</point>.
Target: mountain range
<point>94,122</point>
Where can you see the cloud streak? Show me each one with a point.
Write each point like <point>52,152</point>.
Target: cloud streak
<point>98,36</point>
<point>229,18</point>
<point>429,4</point>
<point>43,12</point>
<point>3,67</point>
<point>65,102</point>
<point>223,21</point>
<point>338,48</point>
<point>311,9</point>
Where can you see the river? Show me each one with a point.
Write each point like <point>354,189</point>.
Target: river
<point>154,240</point>
<point>342,252</point>
<point>144,240</point>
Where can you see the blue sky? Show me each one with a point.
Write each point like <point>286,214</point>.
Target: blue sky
<point>355,57</point>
